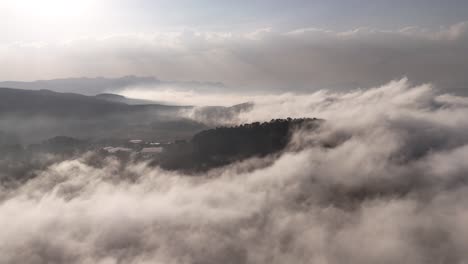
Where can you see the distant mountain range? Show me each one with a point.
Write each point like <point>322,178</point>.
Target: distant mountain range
<point>40,114</point>
<point>46,102</point>
<point>122,99</point>
<point>35,115</point>
<point>99,85</point>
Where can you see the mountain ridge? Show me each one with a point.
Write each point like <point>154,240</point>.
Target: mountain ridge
<point>99,85</point>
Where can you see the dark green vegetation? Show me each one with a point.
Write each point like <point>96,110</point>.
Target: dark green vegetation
<point>225,145</point>
<point>206,150</point>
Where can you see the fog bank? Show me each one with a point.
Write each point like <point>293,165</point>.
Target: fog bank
<point>389,186</point>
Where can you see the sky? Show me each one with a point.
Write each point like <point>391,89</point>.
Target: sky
<point>282,45</point>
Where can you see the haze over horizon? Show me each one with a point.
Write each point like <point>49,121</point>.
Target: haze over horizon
<point>263,45</point>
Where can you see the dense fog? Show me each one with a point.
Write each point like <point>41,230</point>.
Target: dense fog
<point>382,180</point>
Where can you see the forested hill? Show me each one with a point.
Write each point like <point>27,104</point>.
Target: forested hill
<point>224,145</point>
<point>247,139</point>
<point>206,150</point>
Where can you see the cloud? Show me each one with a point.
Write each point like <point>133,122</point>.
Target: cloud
<point>305,59</point>
<point>392,189</point>
<point>174,94</point>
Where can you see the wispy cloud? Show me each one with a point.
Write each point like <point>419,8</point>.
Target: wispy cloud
<point>303,59</point>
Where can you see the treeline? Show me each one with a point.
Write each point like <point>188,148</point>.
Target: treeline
<point>224,145</point>
<point>208,149</point>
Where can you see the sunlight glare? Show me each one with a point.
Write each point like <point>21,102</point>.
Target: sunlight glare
<point>52,10</point>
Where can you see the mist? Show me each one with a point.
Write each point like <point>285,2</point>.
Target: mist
<point>271,59</point>
<point>382,180</point>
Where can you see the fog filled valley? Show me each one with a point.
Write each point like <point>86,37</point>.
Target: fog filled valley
<point>376,175</point>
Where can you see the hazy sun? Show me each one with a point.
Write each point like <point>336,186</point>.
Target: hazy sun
<point>52,9</point>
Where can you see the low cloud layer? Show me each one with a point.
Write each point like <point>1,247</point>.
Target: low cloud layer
<point>390,188</point>
<point>301,60</point>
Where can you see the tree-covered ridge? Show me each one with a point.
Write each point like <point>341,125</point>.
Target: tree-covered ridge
<point>248,139</point>
<point>206,150</point>
<point>224,145</point>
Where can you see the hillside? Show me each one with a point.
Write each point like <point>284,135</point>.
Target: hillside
<point>208,149</point>
<point>88,86</point>
<point>45,114</point>
<point>46,102</point>
<point>99,85</point>
<point>224,145</point>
